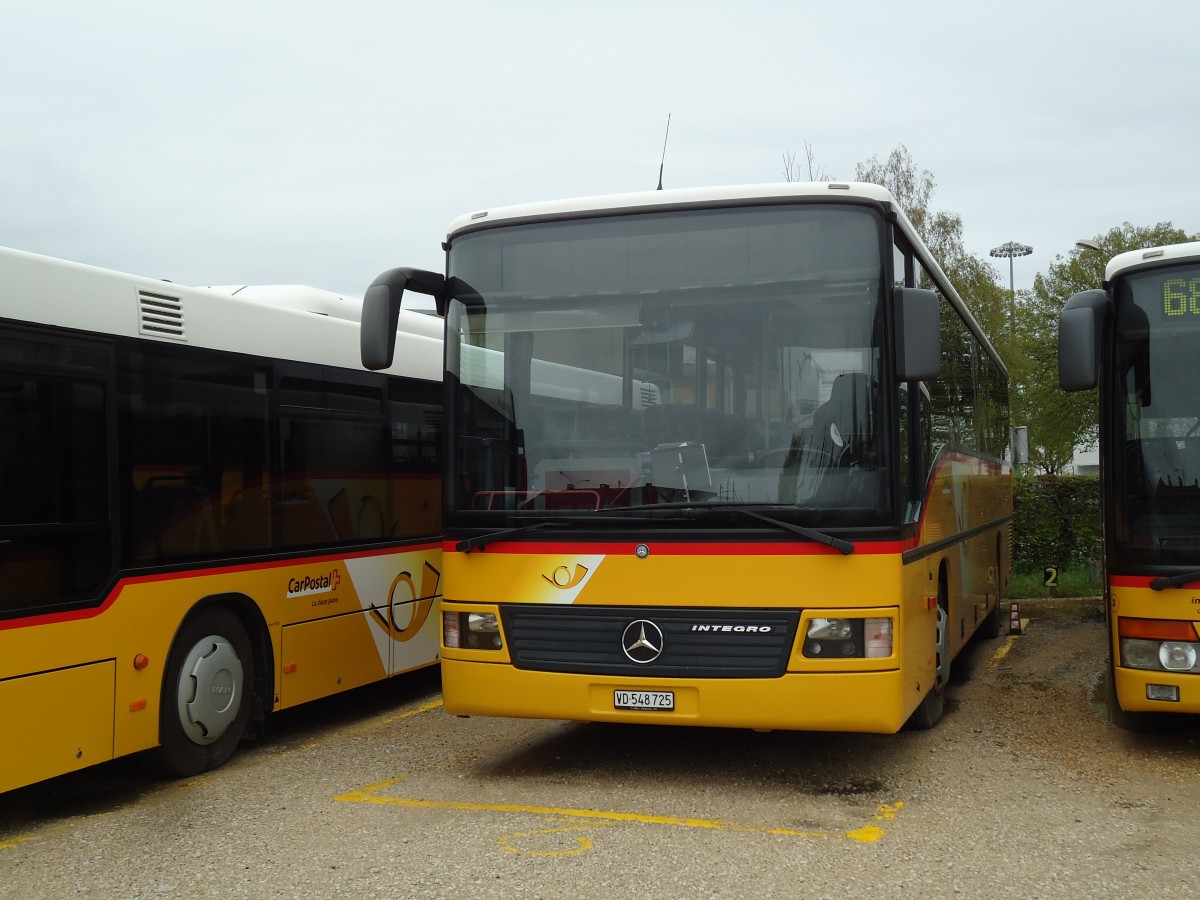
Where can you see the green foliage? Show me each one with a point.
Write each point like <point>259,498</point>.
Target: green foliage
<point>1056,522</point>
<point>1023,326</point>
<point>975,279</point>
<point>1083,582</point>
<point>941,232</point>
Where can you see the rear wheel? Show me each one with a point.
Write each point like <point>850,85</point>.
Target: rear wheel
<point>205,694</point>
<point>994,623</point>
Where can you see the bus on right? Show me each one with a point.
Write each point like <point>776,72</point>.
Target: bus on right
<point>1137,339</point>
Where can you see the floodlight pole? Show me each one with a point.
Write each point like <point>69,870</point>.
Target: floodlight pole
<point>1010,250</point>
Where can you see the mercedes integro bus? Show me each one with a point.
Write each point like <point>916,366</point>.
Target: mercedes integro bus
<point>728,457</point>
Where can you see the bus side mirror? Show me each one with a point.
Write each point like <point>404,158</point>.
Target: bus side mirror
<point>1079,328</point>
<point>919,334</point>
<point>381,311</point>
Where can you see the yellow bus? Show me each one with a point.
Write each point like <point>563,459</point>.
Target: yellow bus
<point>726,457</point>
<point>209,511</point>
<point>1136,338</point>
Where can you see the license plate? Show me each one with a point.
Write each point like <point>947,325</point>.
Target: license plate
<point>664,700</point>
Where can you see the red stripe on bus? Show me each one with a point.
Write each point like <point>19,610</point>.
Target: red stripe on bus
<point>93,611</point>
<point>1137,581</point>
<point>689,548</point>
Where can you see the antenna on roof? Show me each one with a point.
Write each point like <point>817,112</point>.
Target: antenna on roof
<point>664,155</point>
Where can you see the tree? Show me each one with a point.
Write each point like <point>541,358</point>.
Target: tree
<point>1059,422</point>
<point>791,169</point>
<point>910,188</point>
<point>976,280</point>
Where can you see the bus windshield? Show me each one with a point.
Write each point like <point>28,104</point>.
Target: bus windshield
<point>670,360</point>
<point>1157,477</point>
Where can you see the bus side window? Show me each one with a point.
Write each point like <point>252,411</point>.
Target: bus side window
<point>195,455</point>
<point>53,475</point>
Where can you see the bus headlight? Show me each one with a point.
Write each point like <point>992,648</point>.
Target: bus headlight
<point>830,629</point>
<point>1137,654</point>
<point>848,638</point>
<point>475,631</point>
<point>1177,657</point>
<point>1160,645</point>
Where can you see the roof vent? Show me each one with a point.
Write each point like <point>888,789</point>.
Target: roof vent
<point>160,315</point>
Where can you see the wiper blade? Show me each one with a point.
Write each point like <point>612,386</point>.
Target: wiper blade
<point>843,547</point>
<point>478,542</point>
<point>482,540</point>
<point>1157,584</point>
<point>820,537</point>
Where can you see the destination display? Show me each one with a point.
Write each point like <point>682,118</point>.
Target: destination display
<point>1181,296</point>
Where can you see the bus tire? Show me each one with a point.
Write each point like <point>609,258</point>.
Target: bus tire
<point>933,704</point>
<point>206,693</point>
<point>993,624</point>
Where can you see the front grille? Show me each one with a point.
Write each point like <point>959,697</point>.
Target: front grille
<point>697,643</point>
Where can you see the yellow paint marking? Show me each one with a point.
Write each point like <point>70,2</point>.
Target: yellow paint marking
<point>582,844</point>
<point>408,714</point>
<point>1003,650</point>
<point>12,842</point>
<point>868,834</point>
<point>370,794</point>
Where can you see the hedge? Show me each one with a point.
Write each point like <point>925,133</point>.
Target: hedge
<point>1056,522</point>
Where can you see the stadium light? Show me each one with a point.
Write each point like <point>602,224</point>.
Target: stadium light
<point>1010,250</point>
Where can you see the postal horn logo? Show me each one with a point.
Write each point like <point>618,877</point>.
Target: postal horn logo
<point>564,579</point>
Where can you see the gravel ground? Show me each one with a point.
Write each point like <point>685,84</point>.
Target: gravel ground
<point>1023,789</point>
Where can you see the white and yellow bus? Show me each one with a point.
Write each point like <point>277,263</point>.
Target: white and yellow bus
<point>208,511</point>
<point>767,487</point>
<point>1137,338</point>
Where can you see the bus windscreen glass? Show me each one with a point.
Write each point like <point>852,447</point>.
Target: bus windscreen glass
<point>701,358</point>
<point>1157,519</point>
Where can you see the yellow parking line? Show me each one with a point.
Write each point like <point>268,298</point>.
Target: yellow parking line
<point>869,833</point>
<point>1002,650</point>
<point>12,842</point>
<point>409,713</point>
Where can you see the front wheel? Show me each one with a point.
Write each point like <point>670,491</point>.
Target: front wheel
<point>933,704</point>
<point>206,691</point>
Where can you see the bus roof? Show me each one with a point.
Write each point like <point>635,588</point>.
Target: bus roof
<point>614,204</point>
<point>645,200</point>
<point>1124,263</point>
<point>277,321</point>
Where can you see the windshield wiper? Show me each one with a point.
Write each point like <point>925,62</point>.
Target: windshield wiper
<point>479,541</point>
<point>843,547</point>
<point>1157,584</point>
<point>482,540</point>
<point>820,537</point>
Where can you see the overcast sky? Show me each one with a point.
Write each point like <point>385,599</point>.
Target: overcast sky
<point>323,142</point>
